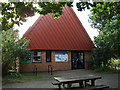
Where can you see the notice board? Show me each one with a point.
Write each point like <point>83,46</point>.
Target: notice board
<point>61,57</point>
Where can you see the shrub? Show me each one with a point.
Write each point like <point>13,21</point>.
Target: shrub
<point>14,74</point>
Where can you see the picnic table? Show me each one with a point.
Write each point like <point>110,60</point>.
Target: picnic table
<point>82,80</point>
<point>79,79</point>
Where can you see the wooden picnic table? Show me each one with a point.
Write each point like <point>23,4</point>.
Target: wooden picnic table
<point>79,79</point>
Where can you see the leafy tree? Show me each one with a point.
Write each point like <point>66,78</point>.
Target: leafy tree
<point>105,13</point>
<point>105,17</point>
<point>12,47</point>
<point>16,12</point>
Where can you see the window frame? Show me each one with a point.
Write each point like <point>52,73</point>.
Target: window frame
<point>49,56</point>
<point>40,57</point>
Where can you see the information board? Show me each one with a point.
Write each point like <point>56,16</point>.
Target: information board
<point>61,57</point>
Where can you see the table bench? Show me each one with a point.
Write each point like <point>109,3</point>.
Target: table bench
<point>57,83</point>
<point>81,80</point>
<point>96,87</point>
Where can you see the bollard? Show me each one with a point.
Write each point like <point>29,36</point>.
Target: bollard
<point>50,67</point>
<point>36,71</point>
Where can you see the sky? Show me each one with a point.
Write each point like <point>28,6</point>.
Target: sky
<point>83,17</point>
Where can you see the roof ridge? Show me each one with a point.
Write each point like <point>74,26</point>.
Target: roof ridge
<point>65,33</point>
<point>81,25</point>
<point>33,26</point>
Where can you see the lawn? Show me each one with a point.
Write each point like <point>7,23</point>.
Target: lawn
<point>24,78</point>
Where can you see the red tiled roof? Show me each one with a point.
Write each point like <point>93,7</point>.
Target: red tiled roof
<point>65,33</point>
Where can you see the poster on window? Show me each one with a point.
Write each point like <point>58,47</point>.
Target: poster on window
<point>61,57</point>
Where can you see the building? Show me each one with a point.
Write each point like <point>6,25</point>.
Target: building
<point>62,43</point>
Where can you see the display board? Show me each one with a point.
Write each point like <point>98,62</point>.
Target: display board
<point>61,57</point>
<point>25,61</point>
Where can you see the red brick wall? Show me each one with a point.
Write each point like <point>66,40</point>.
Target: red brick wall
<point>87,55</point>
<point>43,66</point>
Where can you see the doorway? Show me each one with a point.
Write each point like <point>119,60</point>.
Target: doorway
<point>77,59</point>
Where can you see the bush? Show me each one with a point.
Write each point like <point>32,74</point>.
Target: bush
<point>14,74</point>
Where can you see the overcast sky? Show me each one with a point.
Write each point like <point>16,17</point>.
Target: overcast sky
<point>83,17</point>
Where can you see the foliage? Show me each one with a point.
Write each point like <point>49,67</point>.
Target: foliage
<point>12,47</point>
<point>16,12</point>
<point>105,13</point>
<point>104,16</point>
<point>14,74</point>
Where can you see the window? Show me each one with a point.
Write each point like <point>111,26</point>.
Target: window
<point>37,56</point>
<point>48,56</point>
<point>26,58</point>
<point>61,57</point>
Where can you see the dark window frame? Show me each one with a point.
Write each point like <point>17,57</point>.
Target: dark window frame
<point>35,56</point>
<point>48,56</point>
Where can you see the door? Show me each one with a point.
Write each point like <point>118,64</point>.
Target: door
<point>77,60</point>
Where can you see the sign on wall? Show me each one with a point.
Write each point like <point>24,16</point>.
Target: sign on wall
<point>61,57</point>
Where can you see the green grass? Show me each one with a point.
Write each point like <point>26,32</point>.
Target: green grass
<point>8,79</point>
<point>111,68</point>
<point>29,78</point>
<point>107,70</point>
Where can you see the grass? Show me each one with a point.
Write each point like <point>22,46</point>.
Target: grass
<point>25,78</point>
<point>108,70</point>
<point>111,68</point>
<point>30,78</point>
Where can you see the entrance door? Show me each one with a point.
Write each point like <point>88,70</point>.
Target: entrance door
<point>77,60</point>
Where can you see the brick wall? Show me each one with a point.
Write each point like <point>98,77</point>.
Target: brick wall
<point>43,65</point>
<point>87,55</point>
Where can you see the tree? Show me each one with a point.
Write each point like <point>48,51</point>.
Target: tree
<point>105,13</point>
<point>105,17</point>
<point>16,12</point>
<point>12,47</point>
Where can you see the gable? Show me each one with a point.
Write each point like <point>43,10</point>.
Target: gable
<point>65,33</point>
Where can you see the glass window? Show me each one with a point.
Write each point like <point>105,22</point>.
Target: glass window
<point>37,56</point>
<point>48,56</point>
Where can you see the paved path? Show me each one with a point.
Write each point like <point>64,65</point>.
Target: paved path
<point>107,79</point>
